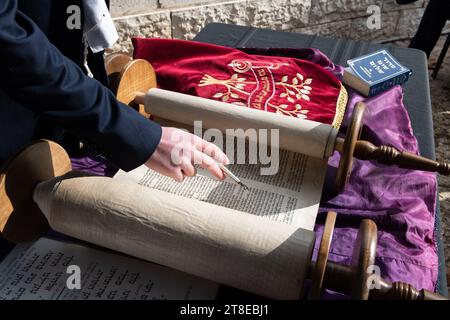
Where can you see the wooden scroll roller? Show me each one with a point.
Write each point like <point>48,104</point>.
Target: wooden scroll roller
<point>132,79</point>
<point>275,261</point>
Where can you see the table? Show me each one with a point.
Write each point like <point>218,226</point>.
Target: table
<point>417,102</point>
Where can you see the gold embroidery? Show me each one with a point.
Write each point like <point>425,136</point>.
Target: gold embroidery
<point>298,89</point>
<point>234,83</point>
<point>341,105</point>
<point>294,90</point>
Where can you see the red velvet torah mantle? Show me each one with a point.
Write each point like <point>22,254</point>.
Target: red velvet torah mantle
<point>287,86</point>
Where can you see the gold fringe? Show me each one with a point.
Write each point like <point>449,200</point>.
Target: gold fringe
<point>341,105</point>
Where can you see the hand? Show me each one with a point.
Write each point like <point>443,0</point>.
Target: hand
<point>179,150</point>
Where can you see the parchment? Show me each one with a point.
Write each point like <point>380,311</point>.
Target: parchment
<point>203,226</point>
<point>303,136</point>
<point>291,196</point>
<point>40,270</point>
<point>241,250</point>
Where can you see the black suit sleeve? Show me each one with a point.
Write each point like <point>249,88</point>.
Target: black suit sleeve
<point>36,74</point>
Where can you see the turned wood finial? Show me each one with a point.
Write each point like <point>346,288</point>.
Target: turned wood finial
<point>443,168</point>
<point>351,147</point>
<point>365,150</point>
<point>403,291</point>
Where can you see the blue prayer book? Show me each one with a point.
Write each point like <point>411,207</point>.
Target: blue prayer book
<point>374,73</point>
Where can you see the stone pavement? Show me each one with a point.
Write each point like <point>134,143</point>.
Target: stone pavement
<point>440,99</point>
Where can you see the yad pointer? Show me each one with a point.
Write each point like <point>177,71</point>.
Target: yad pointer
<point>231,175</point>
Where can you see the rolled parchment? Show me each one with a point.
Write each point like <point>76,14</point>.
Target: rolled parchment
<point>237,249</point>
<point>299,135</point>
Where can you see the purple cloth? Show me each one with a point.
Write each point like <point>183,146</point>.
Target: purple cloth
<point>92,162</point>
<point>310,54</point>
<point>401,202</point>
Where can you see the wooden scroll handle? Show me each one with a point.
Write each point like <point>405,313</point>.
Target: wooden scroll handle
<point>130,80</point>
<point>21,220</point>
<point>351,280</point>
<point>319,267</point>
<point>358,280</point>
<point>363,259</point>
<point>347,147</point>
<point>365,150</point>
<point>402,291</point>
<point>351,147</point>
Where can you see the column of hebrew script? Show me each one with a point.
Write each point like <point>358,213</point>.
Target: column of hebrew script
<point>42,270</point>
<point>291,195</point>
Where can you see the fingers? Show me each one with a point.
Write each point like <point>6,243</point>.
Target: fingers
<point>211,150</point>
<point>174,172</point>
<point>178,151</point>
<point>208,163</point>
<point>187,168</point>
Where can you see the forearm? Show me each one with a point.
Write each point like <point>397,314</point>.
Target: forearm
<point>37,75</point>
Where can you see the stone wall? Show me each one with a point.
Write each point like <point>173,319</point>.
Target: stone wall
<point>183,19</point>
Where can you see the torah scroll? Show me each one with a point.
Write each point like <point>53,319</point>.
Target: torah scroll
<point>307,137</point>
<point>244,251</point>
<point>215,242</point>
